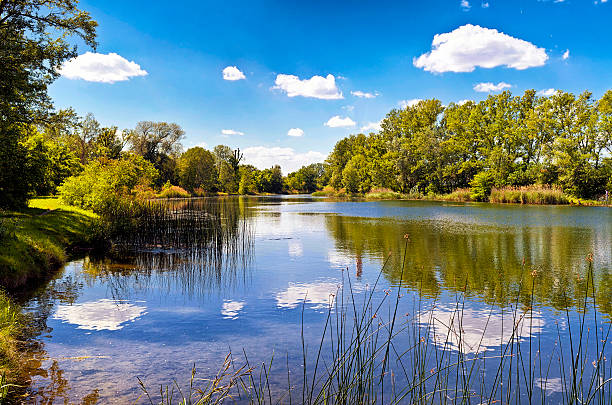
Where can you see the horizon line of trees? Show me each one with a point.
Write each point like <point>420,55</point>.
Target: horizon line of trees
<point>562,140</point>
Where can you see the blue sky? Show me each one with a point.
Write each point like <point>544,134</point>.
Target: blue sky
<point>164,61</point>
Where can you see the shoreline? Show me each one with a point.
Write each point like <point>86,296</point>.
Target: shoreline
<point>41,238</point>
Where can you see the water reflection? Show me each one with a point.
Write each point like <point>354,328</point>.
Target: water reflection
<point>317,295</point>
<point>236,272</point>
<point>103,314</point>
<point>476,330</point>
<point>491,262</point>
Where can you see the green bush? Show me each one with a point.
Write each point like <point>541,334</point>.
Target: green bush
<point>102,183</point>
<point>481,185</point>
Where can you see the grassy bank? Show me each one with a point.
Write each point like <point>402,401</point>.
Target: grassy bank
<point>11,326</point>
<point>40,238</point>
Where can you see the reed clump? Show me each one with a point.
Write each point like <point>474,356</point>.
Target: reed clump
<point>459,195</point>
<point>383,194</point>
<point>540,194</point>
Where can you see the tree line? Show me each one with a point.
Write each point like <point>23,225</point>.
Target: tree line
<point>562,140</point>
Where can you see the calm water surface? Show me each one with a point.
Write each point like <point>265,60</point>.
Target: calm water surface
<point>154,312</point>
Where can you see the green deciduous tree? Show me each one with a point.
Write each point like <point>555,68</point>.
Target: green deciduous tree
<point>197,169</point>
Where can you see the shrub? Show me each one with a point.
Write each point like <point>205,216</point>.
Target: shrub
<point>380,193</point>
<point>103,182</point>
<point>173,192</point>
<point>481,185</point>
<point>328,191</point>
<point>461,195</point>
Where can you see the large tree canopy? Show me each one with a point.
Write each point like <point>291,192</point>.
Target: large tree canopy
<point>36,37</point>
<point>35,40</point>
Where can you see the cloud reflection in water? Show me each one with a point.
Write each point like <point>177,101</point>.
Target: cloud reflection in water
<point>103,314</point>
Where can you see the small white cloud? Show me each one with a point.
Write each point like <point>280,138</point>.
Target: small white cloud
<point>232,73</point>
<point>101,68</point>
<point>316,87</point>
<point>230,309</point>
<point>547,92</point>
<point>485,4</point>
<point>337,122</point>
<point>231,132</point>
<point>371,127</point>
<point>461,102</point>
<point>465,5</point>
<point>349,108</point>
<point>489,87</point>
<point>471,46</point>
<point>566,54</point>
<point>289,160</point>
<point>409,103</point>
<point>362,94</point>
<point>295,132</point>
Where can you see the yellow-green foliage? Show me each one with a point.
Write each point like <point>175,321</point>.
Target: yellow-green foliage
<point>173,192</point>
<point>383,194</point>
<point>461,195</point>
<point>328,191</point>
<point>38,238</point>
<point>529,195</point>
<point>103,182</point>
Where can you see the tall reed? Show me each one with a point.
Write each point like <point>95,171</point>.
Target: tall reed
<point>529,195</point>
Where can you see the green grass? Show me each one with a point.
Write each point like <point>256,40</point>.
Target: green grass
<point>37,239</point>
<point>11,325</point>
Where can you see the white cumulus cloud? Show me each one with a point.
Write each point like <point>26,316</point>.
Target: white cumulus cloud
<point>465,5</point>
<point>101,68</point>
<point>337,122</point>
<point>566,54</point>
<point>316,87</point>
<point>409,103</point>
<point>231,132</point>
<point>547,92</point>
<point>371,127</point>
<point>232,73</point>
<point>289,160</point>
<point>489,87</point>
<point>362,94</point>
<point>295,132</point>
<point>471,46</point>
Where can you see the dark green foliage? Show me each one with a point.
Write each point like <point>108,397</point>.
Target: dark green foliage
<point>197,169</point>
<point>34,42</point>
<point>308,179</point>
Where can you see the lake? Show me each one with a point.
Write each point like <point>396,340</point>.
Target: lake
<point>163,304</point>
